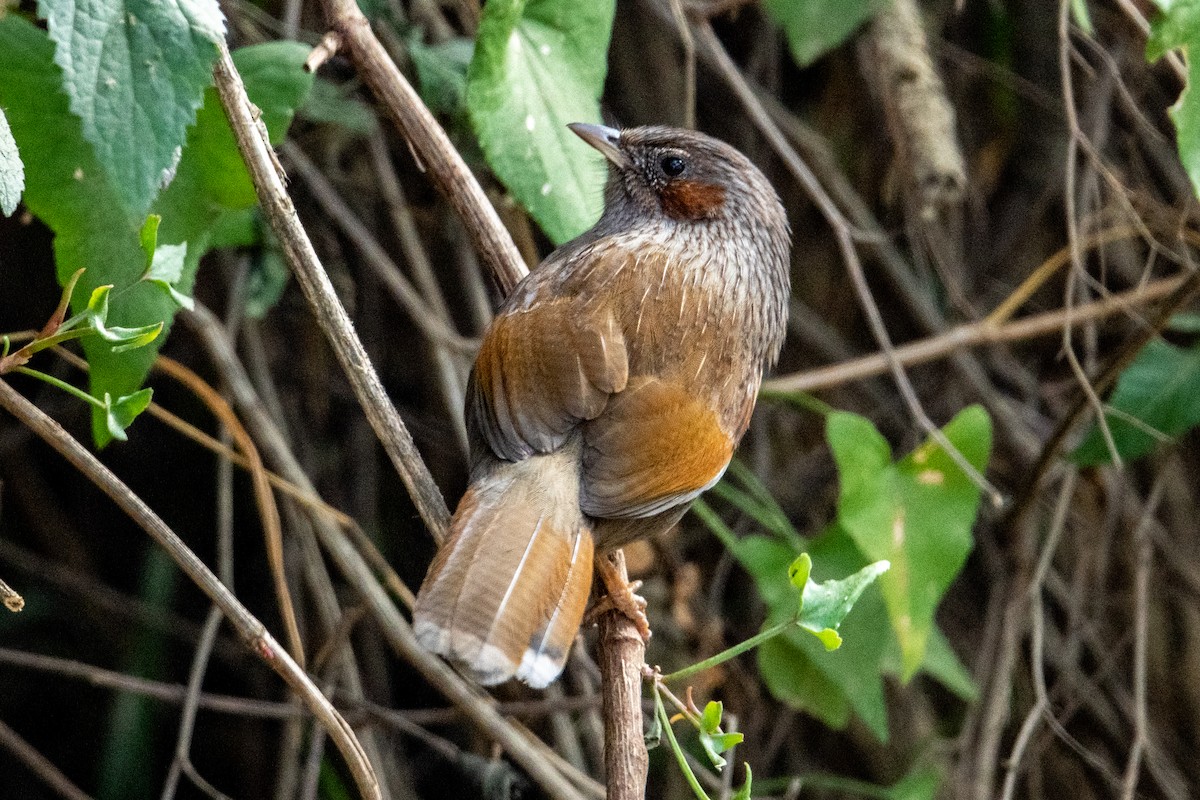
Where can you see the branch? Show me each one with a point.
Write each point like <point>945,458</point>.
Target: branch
<point>918,112</point>
<point>429,142</point>
<point>622,655</point>
<point>332,317</point>
<point>253,632</point>
<point>971,335</point>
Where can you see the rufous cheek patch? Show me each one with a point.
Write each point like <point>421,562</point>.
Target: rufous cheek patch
<point>692,200</point>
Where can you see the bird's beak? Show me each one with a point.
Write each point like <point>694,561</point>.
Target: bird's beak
<point>606,140</point>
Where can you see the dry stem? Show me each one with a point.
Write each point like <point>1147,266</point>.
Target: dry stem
<point>334,321</point>
<point>251,630</point>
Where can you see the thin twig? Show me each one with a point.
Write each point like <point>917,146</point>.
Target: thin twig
<point>335,323</point>
<point>429,142</point>
<point>37,763</point>
<point>251,630</point>
<point>268,511</point>
<point>689,62</point>
<point>374,255</point>
<point>475,705</point>
<point>971,335</point>
<point>1093,398</point>
<point>1041,706</point>
<point>208,636</point>
<point>844,234</point>
<point>1141,628</point>
<point>12,599</point>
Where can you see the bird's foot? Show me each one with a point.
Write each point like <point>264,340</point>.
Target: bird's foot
<point>621,596</point>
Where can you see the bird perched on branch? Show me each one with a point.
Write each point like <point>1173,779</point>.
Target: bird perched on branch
<point>608,393</point>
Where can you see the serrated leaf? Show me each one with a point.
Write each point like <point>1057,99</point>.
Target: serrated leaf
<point>539,65</point>
<point>1159,393</point>
<point>814,27</point>
<point>119,414</point>
<point>1179,27</point>
<point>67,189</point>
<point>12,171</point>
<point>916,514</point>
<point>135,73</point>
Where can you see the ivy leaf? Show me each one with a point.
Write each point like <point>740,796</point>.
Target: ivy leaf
<point>539,65</point>
<point>12,171</point>
<point>1157,398</point>
<point>814,27</point>
<point>1179,27</point>
<point>119,414</point>
<point>135,72</point>
<point>916,513</point>
<point>825,605</point>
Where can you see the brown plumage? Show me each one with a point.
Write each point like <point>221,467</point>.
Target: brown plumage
<point>609,392</point>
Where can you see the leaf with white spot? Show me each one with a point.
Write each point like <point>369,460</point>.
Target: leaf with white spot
<point>917,514</point>
<point>135,73</point>
<point>12,171</point>
<point>539,65</point>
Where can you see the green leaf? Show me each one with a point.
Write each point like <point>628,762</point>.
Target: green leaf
<point>814,27</point>
<point>1179,27</point>
<point>825,605</point>
<point>1185,322</point>
<point>538,65</point>
<point>328,103</point>
<point>121,338</point>
<point>166,272</point>
<point>921,783</point>
<point>12,171</point>
<point>712,739</point>
<point>916,514</point>
<point>148,237</point>
<point>119,414</point>
<point>135,72</point>
<point>442,73</point>
<point>1159,393</point>
<point>800,672</point>
<point>744,792</point>
<point>754,499</point>
<point>67,189</point>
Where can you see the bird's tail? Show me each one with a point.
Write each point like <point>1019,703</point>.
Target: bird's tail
<point>505,594</point>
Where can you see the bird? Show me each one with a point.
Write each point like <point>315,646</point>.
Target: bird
<point>609,392</point>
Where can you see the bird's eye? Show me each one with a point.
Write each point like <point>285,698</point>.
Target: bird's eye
<point>672,166</point>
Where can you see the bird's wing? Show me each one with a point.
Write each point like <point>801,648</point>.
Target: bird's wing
<point>655,446</point>
<point>542,370</point>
